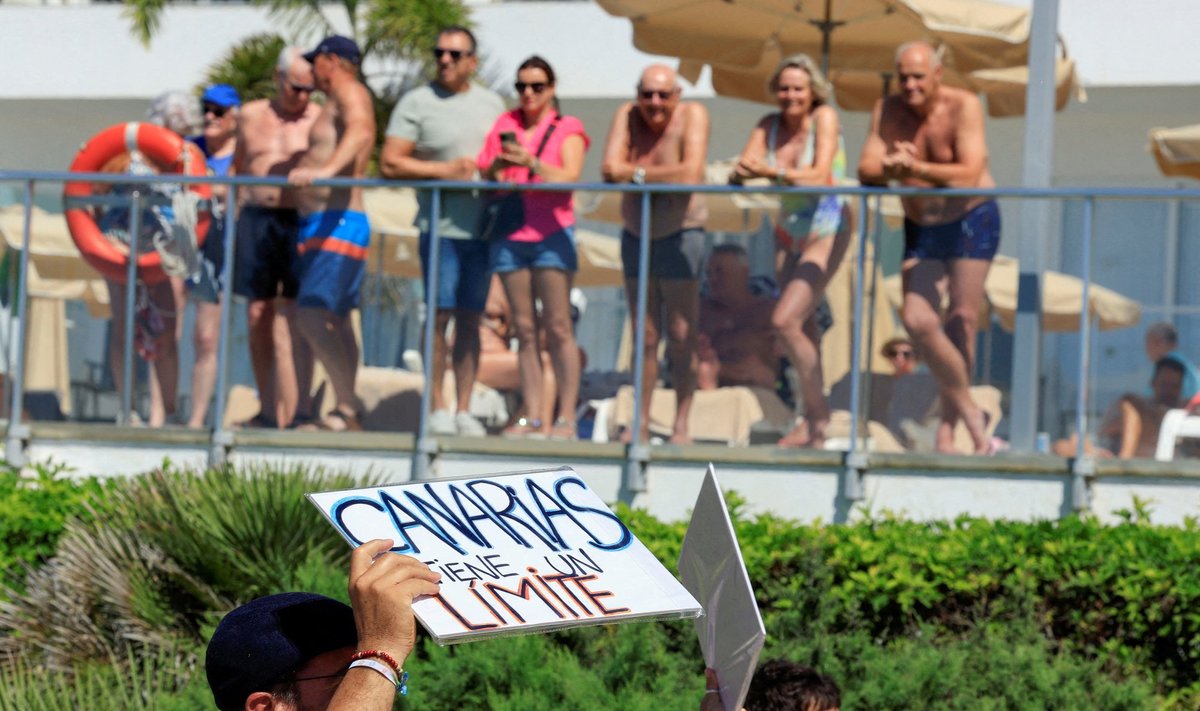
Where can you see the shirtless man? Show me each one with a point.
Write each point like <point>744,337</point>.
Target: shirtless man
<point>272,135</point>
<point>659,139</point>
<point>1131,425</point>
<point>334,232</point>
<point>736,343</point>
<point>930,135</point>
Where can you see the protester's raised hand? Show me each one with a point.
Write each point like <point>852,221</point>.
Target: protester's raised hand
<point>382,588</point>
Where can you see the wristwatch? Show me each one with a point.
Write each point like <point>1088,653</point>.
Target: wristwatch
<point>639,176</point>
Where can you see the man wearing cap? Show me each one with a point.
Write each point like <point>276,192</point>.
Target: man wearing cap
<point>334,232</point>
<point>434,133</point>
<point>305,652</point>
<point>272,136</point>
<point>218,139</point>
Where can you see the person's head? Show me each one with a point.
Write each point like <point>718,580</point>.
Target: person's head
<point>176,111</point>
<point>294,82</point>
<point>1167,382</point>
<point>798,85</point>
<point>220,104</point>
<point>286,652</point>
<point>334,54</point>
<point>919,73</point>
<point>456,58</point>
<point>780,685</point>
<point>900,354</point>
<point>727,270</point>
<point>658,94</point>
<point>535,87</point>
<point>1161,339</point>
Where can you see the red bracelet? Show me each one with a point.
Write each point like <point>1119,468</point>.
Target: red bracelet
<point>378,654</point>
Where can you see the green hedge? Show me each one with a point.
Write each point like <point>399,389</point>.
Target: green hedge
<point>963,614</point>
<point>34,508</point>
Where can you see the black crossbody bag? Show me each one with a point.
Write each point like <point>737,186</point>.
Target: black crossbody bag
<point>504,210</point>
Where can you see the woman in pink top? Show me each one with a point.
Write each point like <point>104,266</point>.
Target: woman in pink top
<point>534,143</point>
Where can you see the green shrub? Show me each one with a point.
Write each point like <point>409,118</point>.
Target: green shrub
<point>34,509</point>
<point>959,614</point>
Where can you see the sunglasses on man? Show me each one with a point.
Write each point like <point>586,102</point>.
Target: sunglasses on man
<point>901,353</point>
<point>216,110</point>
<point>455,54</point>
<point>649,94</point>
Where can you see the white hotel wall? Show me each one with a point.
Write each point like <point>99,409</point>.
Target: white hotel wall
<point>1024,489</point>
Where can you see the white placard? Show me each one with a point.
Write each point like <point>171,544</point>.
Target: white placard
<point>521,552</point>
<point>731,632</point>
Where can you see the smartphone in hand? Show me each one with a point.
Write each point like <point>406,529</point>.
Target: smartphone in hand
<point>508,137</point>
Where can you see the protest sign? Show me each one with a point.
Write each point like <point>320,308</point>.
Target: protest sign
<point>710,564</point>
<point>522,552</point>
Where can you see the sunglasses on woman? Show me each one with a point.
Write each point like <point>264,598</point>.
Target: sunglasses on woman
<point>537,86</point>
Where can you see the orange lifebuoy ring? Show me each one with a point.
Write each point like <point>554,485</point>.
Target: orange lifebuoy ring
<point>170,153</point>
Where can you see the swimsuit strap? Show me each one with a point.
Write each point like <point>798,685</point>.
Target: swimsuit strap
<point>773,140</point>
<point>772,137</point>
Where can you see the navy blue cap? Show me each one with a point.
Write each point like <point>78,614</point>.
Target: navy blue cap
<point>261,643</point>
<point>221,95</point>
<point>343,47</point>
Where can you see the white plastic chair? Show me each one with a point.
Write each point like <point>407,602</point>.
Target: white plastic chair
<point>1175,424</point>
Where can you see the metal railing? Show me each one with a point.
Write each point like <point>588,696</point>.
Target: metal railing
<point>637,454</point>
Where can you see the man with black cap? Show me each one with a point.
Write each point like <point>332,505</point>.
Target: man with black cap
<point>306,652</point>
<point>334,232</point>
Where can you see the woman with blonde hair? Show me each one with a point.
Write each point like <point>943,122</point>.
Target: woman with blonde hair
<point>801,145</point>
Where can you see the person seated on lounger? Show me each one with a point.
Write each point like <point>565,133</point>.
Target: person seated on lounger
<point>1130,425</point>
<point>736,344</point>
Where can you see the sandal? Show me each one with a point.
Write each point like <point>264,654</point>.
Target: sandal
<point>563,429</point>
<point>335,421</point>
<point>524,427</point>
<point>259,421</point>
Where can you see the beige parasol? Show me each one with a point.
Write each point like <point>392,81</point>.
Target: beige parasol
<point>1177,150</point>
<point>1062,299</point>
<point>855,40</point>
<point>848,34</point>
<point>857,90</point>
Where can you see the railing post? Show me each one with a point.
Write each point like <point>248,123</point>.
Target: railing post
<point>18,431</point>
<point>856,461</point>
<point>637,454</point>
<point>222,439</point>
<point>125,417</point>
<point>426,447</point>
<point>1083,468</point>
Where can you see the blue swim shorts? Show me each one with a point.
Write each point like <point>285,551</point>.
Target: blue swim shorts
<point>556,251</point>
<point>975,236</point>
<point>333,253</point>
<point>464,273</point>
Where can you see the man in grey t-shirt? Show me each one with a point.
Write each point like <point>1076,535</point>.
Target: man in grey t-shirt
<point>435,133</point>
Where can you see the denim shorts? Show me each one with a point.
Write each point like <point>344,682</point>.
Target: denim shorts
<point>556,251</point>
<point>463,273</point>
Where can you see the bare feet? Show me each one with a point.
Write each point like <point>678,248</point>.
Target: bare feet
<point>804,435</point>
<point>680,438</point>
<point>797,438</point>
<point>627,435</point>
